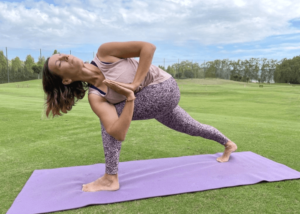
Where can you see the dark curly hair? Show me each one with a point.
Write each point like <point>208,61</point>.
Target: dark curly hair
<point>60,96</point>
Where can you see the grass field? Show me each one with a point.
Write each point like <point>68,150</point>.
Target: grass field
<point>262,120</point>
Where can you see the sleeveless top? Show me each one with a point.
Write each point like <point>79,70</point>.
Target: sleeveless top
<point>124,71</point>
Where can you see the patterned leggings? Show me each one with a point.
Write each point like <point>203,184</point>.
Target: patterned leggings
<point>159,101</point>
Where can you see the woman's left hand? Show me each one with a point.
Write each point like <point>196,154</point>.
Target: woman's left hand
<point>125,85</point>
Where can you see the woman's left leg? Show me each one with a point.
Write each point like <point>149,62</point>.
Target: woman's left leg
<point>179,120</point>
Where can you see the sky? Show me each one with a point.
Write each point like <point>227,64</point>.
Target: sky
<point>194,30</point>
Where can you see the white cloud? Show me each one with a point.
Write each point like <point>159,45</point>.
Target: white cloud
<point>270,49</point>
<point>240,3</point>
<point>72,23</point>
<point>181,2</point>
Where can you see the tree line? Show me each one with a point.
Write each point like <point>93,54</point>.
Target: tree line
<point>262,70</point>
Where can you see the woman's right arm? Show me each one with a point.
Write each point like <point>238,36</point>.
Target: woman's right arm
<point>115,126</point>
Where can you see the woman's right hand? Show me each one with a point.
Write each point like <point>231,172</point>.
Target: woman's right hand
<point>119,89</point>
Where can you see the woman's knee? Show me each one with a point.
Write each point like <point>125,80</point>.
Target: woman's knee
<point>173,97</point>
<point>154,100</point>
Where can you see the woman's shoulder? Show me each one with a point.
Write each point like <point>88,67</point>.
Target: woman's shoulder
<point>109,59</point>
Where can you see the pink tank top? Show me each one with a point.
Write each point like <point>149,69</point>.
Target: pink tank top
<point>124,71</point>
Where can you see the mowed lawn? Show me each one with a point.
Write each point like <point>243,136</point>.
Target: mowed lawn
<point>264,120</point>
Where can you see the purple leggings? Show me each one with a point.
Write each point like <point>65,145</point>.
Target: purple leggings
<point>159,101</point>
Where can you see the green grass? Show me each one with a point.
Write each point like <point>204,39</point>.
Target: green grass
<point>262,120</point>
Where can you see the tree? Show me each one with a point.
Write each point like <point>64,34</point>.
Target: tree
<point>197,70</point>
<point>288,71</point>
<point>237,77</point>
<point>171,70</point>
<point>29,62</point>
<point>235,73</point>
<point>264,70</point>
<point>55,52</point>
<point>188,74</point>
<point>250,69</point>
<point>255,71</point>
<point>37,69</point>
<point>162,67</point>
<point>247,71</point>
<point>3,68</point>
<point>211,70</point>
<point>40,63</point>
<point>176,67</point>
<point>201,73</point>
<point>186,68</point>
<point>16,68</point>
<point>225,69</point>
<point>271,71</point>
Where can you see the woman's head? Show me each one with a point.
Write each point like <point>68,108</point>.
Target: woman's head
<point>61,83</point>
<point>67,67</point>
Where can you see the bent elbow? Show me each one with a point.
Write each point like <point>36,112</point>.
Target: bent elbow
<point>116,136</point>
<point>120,139</point>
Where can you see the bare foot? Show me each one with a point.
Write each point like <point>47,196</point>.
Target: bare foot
<point>118,88</point>
<point>229,148</point>
<point>103,183</point>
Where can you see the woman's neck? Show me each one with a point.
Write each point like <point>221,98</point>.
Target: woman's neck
<point>92,75</point>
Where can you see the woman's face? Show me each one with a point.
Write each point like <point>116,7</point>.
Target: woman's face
<point>66,66</point>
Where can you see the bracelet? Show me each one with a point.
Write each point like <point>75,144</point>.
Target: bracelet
<point>130,100</point>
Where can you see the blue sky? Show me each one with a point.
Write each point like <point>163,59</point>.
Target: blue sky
<point>194,30</point>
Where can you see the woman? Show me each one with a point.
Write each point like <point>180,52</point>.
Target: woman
<point>121,89</point>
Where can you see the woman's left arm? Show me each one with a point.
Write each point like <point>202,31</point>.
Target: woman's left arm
<point>144,50</point>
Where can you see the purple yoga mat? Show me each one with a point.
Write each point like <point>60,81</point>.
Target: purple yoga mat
<point>50,190</point>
